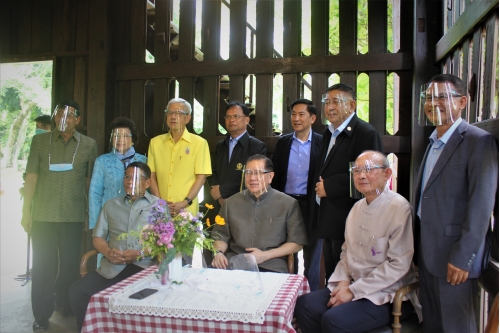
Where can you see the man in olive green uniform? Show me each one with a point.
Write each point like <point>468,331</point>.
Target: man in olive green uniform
<point>58,174</point>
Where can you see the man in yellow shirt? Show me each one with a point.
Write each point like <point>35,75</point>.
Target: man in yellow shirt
<point>179,160</point>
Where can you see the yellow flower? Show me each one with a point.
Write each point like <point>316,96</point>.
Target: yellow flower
<point>208,222</point>
<point>209,206</point>
<point>220,220</point>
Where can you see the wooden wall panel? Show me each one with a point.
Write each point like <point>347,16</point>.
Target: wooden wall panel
<point>163,16</point>
<point>24,27</point>
<point>491,60</point>
<point>476,74</point>
<point>41,27</point>
<point>82,25</point>
<point>292,18</point>
<point>63,25</point>
<point>5,27</point>
<point>348,18</point>
<point>237,47</point>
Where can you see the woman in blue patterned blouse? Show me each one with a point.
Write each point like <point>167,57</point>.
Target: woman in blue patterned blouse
<point>107,177</point>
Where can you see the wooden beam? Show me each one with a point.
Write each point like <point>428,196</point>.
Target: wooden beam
<point>490,63</point>
<point>288,65</point>
<point>237,48</point>
<point>163,16</point>
<point>474,13</point>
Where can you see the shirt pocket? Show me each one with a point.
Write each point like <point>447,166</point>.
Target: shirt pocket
<point>377,250</point>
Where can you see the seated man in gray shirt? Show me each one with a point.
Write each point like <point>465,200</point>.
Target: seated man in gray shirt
<point>261,221</point>
<point>118,215</point>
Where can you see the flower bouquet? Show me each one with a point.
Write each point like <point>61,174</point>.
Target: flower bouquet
<point>167,238</point>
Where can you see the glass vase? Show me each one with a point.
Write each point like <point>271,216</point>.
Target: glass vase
<point>175,269</point>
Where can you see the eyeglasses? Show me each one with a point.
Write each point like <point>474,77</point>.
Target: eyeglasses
<point>440,98</point>
<point>250,172</point>
<point>366,169</point>
<point>334,101</point>
<point>68,115</point>
<point>121,135</point>
<point>176,113</point>
<point>235,117</point>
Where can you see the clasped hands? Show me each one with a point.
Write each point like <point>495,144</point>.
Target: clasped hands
<point>340,295</point>
<point>215,193</point>
<point>117,257</point>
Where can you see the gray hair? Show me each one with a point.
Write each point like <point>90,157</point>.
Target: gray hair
<point>187,106</point>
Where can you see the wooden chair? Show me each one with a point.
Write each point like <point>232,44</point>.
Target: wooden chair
<point>86,256</point>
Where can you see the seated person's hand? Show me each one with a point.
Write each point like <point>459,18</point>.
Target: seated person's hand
<point>260,256</point>
<point>115,256</point>
<point>220,261</point>
<point>341,294</point>
<point>130,256</point>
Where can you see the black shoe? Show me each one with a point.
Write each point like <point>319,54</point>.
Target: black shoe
<point>40,325</point>
<point>64,310</point>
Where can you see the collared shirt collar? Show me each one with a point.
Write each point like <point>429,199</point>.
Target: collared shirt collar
<point>341,127</point>
<point>309,138</point>
<point>58,134</point>
<point>263,196</point>
<point>185,136</point>
<point>149,197</point>
<point>433,138</point>
<point>236,138</point>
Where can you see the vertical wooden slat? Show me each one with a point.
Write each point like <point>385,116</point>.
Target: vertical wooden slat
<point>491,59</point>
<point>24,24</point>
<point>82,26</point>
<point>237,47</point>
<point>63,25</point>
<point>465,70</point>
<point>211,50</point>
<point>264,49</point>
<point>122,39</point>
<point>160,104</point>
<point>319,47</point>
<point>5,27</point>
<point>377,43</point>
<point>40,27</point>
<point>348,18</point>
<point>476,74</point>
<point>292,19</point>
<point>163,17</point>
<point>187,16</point>
<point>97,70</point>
<point>456,62</point>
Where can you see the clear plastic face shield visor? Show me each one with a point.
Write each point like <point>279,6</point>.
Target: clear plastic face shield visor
<point>440,104</point>
<point>367,177</point>
<point>61,115</point>
<point>256,181</point>
<point>175,119</point>
<point>336,108</point>
<point>134,182</point>
<point>120,140</point>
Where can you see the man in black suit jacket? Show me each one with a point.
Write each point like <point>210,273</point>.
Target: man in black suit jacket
<point>455,195</point>
<point>345,138</point>
<point>295,155</point>
<point>232,153</point>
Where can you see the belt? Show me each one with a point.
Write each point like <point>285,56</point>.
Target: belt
<point>298,197</point>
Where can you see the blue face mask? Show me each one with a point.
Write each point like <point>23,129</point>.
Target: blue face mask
<point>40,131</point>
<point>61,167</point>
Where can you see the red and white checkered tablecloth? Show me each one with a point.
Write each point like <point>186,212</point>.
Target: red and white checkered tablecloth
<point>278,317</point>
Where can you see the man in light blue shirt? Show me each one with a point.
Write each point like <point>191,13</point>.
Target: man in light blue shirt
<point>295,158</point>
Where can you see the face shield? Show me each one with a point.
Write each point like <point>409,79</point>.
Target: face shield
<point>134,182</point>
<point>120,140</point>
<point>62,115</point>
<point>175,120</point>
<point>256,181</point>
<point>335,108</point>
<point>440,104</point>
<point>368,178</point>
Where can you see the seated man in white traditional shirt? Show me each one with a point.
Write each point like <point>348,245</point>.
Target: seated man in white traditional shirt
<point>118,215</point>
<point>260,221</point>
<point>375,261</point>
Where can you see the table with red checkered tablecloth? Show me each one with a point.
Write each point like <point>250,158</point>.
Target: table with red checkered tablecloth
<point>278,317</point>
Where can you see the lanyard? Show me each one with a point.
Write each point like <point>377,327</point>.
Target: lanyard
<point>76,149</point>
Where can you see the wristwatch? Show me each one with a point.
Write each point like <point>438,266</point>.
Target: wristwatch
<point>219,251</point>
<point>189,201</point>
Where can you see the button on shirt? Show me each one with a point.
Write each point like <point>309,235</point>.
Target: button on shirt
<point>233,142</point>
<point>298,166</point>
<point>437,146</point>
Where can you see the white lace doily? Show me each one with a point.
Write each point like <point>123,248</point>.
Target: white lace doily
<point>205,294</point>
